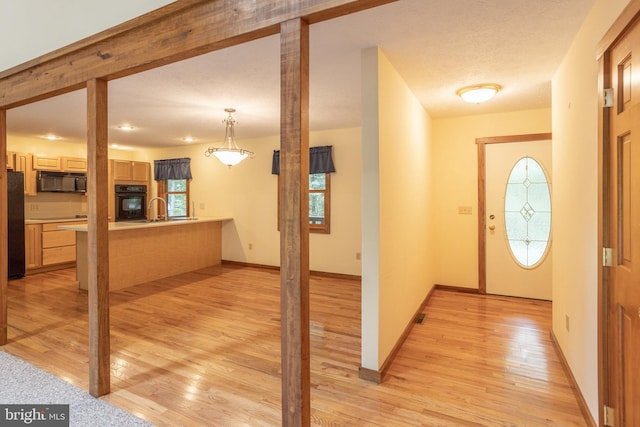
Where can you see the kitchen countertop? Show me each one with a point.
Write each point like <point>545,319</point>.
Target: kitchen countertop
<point>50,220</point>
<point>131,225</point>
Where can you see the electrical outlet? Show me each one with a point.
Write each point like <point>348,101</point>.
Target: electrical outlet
<point>566,321</point>
<point>250,246</point>
<point>201,205</point>
<point>358,256</point>
<point>34,207</point>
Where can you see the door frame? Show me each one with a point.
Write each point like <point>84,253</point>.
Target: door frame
<point>482,223</point>
<point>623,23</point>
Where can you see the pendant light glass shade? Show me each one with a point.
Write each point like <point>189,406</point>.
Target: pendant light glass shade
<point>229,153</point>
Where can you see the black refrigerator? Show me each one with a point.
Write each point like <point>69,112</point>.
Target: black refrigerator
<point>15,214</point>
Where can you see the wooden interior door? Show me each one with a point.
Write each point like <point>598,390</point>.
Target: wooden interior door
<point>622,230</point>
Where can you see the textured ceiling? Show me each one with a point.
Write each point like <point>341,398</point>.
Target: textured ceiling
<point>438,46</point>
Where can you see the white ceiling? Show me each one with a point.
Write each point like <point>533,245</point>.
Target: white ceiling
<point>438,46</point>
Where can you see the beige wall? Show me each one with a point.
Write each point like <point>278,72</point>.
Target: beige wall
<point>27,27</point>
<point>575,222</point>
<point>397,182</point>
<point>248,192</point>
<point>455,168</point>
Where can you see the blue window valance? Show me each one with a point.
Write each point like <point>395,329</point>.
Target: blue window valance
<point>320,160</point>
<point>172,169</point>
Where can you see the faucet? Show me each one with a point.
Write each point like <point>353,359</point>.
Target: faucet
<point>166,216</point>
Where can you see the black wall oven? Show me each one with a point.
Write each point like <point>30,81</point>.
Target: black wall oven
<point>131,202</point>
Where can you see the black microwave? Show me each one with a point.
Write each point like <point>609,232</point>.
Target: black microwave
<point>62,182</point>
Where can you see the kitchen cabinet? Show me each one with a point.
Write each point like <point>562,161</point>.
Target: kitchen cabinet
<point>23,163</point>
<point>33,245</point>
<point>46,163</point>
<point>140,171</point>
<point>73,164</point>
<point>130,171</point>
<point>60,164</point>
<point>58,246</point>
<point>11,156</point>
<point>47,247</point>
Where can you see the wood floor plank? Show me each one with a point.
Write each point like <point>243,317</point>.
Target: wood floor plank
<point>203,348</point>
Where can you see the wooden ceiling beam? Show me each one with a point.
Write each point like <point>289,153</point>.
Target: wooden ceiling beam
<point>181,30</point>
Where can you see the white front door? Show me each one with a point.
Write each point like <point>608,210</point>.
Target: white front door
<point>518,219</point>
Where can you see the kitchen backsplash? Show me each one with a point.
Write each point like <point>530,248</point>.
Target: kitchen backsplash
<point>54,205</point>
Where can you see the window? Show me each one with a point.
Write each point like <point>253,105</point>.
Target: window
<point>176,193</point>
<point>319,202</point>
<point>527,210</point>
<point>320,169</point>
<point>173,177</point>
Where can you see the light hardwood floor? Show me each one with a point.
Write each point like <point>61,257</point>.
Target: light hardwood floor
<point>203,348</point>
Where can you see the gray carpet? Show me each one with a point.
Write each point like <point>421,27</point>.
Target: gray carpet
<point>22,383</point>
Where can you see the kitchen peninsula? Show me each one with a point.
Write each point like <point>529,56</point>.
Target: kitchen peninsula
<point>140,252</point>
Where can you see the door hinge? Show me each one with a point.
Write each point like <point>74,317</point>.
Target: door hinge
<point>607,98</point>
<point>607,257</point>
<point>609,416</point>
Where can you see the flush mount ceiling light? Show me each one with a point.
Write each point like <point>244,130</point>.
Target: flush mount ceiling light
<point>229,153</point>
<point>478,93</point>
<point>126,127</point>
<point>51,137</point>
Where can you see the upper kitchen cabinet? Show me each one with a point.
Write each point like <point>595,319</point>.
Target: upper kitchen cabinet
<point>73,164</point>
<point>60,164</point>
<point>11,160</point>
<point>46,163</point>
<point>24,163</point>
<point>130,171</point>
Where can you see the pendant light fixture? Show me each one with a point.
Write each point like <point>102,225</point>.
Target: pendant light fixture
<point>229,153</point>
<point>478,93</point>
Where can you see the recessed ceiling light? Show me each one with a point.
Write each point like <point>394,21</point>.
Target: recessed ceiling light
<point>478,93</point>
<point>188,139</point>
<point>51,137</point>
<point>126,127</point>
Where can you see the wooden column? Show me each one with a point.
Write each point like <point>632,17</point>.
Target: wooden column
<point>98,238</point>
<point>4,247</point>
<point>294,222</point>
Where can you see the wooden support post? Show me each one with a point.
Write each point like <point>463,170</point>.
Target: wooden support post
<point>98,238</point>
<point>294,222</point>
<point>4,247</point>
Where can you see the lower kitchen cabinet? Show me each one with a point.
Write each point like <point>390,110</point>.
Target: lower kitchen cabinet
<point>58,246</point>
<point>33,246</point>
<point>47,247</point>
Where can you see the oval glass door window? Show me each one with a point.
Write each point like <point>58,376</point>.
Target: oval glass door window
<point>527,212</point>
